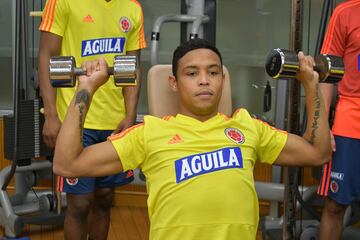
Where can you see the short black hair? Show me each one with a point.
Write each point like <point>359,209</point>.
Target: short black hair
<point>191,45</point>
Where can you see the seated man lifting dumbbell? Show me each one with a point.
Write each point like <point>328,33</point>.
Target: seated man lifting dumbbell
<point>201,187</point>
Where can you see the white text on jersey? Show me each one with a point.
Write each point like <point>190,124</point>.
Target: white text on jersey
<point>203,163</point>
<point>101,46</point>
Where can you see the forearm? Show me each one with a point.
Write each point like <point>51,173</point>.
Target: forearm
<point>131,98</point>
<point>48,93</point>
<point>131,94</point>
<point>317,128</point>
<point>50,45</point>
<point>70,139</point>
<point>327,93</point>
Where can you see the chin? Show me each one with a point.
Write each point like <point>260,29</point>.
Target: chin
<point>206,111</point>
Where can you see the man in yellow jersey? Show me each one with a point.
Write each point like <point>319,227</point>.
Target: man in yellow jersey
<point>87,30</point>
<point>200,186</point>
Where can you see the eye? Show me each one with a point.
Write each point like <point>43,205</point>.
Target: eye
<point>191,73</point>
<point>213,73</point>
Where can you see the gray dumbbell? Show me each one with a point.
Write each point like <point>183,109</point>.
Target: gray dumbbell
<point>63,71</point>
<point>282,63</point>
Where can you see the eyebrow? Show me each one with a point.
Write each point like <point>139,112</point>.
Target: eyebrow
<point>196,66</point>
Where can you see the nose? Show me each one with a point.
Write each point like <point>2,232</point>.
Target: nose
<point>203,79</point>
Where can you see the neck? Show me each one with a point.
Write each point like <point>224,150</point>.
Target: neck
<point>201,118</point>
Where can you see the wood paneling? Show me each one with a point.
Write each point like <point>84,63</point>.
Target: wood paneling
<point>3,162</point>
<point>262,172</point>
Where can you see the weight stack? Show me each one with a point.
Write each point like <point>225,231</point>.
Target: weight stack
<point>30,143</point>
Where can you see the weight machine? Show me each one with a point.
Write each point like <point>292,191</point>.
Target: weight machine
<point>23,146</point>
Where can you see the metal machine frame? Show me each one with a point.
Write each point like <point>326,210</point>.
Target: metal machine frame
<point>23,143</point>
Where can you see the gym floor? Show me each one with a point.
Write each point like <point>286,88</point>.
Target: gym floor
<point>127,223</point>
<point>129,219</point>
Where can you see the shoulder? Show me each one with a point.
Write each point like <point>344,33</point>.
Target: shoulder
<point>133,129</point>
<point>149,119</point>
<point>134,5</point>
<point>345,8</point>
<point>241,114</point>
<point>132,9</point>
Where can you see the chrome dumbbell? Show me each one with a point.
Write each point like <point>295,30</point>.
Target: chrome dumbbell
<point>63,71</point>
<point>282,63</point>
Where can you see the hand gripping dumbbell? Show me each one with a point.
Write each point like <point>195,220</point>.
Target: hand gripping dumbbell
<point>282,63</point>
<point>63,71</point>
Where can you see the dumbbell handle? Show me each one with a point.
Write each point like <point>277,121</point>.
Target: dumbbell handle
<point>79,71</point>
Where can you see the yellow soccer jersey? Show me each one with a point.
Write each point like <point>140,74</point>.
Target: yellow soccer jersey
<point>89,30</point>
<point>199,175</point>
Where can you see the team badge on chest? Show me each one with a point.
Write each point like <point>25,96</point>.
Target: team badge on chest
<point>125,24</point>
<point>235,135</point>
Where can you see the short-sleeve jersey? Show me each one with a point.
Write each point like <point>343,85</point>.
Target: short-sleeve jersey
<point>343,39</point>
<point>199,175</point>
<point>90,30</point>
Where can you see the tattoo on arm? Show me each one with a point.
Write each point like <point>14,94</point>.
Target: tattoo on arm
<point>315,123</point>
<point>82,100</point>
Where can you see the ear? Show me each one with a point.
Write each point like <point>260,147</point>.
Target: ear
<point>173,83</point>
<point>223,75</point>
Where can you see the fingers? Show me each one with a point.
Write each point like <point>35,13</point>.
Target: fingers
<point>93,66</point>
<point>96,74</point>
<point>306,73</point>
<point>333,143</point>
<point>90,67</point>
<point>102,63</point>
<point>50,141</point>
<point>306,61</point>
<point>119,128</point>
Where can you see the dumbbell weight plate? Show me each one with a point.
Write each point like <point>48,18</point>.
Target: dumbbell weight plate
<point>125,70</point>
<point>281,63</point>
<point>61,71</point>
<point>330,68</point>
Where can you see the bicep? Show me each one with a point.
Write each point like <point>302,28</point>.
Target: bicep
<point>98,160</point>
<point>297,152</point>
<point>50,43</point>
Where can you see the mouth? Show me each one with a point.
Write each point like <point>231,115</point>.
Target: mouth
<point>205,93</point>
